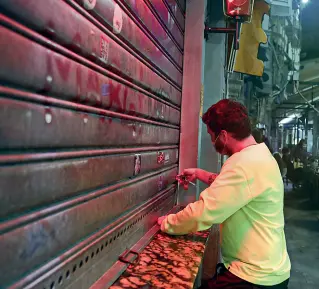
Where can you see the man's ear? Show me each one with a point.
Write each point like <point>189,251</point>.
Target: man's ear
<point>223,135</point>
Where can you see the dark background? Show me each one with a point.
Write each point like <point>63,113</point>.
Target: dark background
<point>310,30</point>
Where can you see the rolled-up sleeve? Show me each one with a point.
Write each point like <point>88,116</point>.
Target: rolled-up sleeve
<point>229,192</point>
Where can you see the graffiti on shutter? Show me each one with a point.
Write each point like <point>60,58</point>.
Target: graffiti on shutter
<point>90,124</point>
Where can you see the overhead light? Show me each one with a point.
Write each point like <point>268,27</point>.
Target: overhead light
<point>289,118</point>
<point>305,1</point>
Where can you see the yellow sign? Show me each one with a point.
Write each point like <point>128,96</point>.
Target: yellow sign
<point>251,36</point>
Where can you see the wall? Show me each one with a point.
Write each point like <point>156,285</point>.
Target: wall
<point>203,69</point>
<point>214,90</point>
<point>192,79</point>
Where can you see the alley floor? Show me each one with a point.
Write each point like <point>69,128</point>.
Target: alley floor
<point>302,234</point>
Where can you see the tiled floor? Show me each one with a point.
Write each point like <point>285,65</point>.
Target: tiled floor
<point>302,234</point>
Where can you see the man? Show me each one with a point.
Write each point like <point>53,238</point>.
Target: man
<point>246,198</point>
<point>257,134</point>
<point>266,140</point>
<point>300,152</point>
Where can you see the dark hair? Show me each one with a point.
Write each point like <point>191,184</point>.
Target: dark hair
<point>258,136</point>
<point>301,142</point>
<point>285,150</point>
<point>230,116</point>
<point>280,162</point>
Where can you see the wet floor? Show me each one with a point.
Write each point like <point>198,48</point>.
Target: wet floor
<point>302,234</point>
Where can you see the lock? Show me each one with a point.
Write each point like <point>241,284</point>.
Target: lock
<point>184,181</point>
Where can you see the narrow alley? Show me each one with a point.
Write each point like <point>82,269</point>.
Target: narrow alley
<point>302,234</point>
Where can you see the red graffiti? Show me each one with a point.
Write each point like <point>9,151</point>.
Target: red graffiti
<point>140,102</point>
<point>141,73</point>
<point>115,100</point>
<point>64,67</point>
<point>114,55</point>
<point>89,90</point>
<point>141,10</point>
<point>132,109</point>
<point>125,98</point>
<point>77,38</point>
<point>137,129</point>
<point>148,79</point>
<point>92,85</point>
<point>78,84</point>
<point>76,42</point>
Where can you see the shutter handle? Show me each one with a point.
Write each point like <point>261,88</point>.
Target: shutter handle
<point>123,259</point>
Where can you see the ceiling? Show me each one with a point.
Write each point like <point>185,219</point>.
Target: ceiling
<point>309,66</point>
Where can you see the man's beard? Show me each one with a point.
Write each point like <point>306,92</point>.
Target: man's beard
<point>221,148</point>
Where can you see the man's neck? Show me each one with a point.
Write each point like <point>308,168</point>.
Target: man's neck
<point>240,145</point>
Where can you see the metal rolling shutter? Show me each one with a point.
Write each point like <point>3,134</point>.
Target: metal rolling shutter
<point>90,94</point>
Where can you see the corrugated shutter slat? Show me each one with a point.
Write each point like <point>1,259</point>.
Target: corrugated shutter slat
<point>90,96</point>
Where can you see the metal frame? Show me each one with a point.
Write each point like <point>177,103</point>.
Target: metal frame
<point>235,31</point>
<point>118,268</point>
<point>100,250</point>
<point>227,30</point>
<point>192,82</point>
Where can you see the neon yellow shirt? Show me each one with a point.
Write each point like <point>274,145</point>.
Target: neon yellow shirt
<point>247,200</point>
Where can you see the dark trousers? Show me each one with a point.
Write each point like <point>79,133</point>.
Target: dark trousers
<point>225,279</point>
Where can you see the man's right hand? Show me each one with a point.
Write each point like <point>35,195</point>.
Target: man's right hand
<point>202,175</point>
<point>191,174</point>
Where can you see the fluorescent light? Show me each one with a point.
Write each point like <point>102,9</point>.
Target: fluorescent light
<point>305,1</point>
<point>286,120</point>
<point>289,118</point>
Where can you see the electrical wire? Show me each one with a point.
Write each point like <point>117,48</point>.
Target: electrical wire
<point>306,100</point>
<point>274,95</point>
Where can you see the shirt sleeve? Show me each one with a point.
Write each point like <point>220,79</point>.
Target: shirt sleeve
<point>229,192</point>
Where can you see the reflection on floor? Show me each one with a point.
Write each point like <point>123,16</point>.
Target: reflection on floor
<point>302,234</point>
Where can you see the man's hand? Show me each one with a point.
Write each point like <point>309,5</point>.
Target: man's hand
<point>191,174</point>
<point>212,178</point>
<point>194,173</point>
<point>188,176</point>
<point>202,175</point>
<point>160,220</point>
